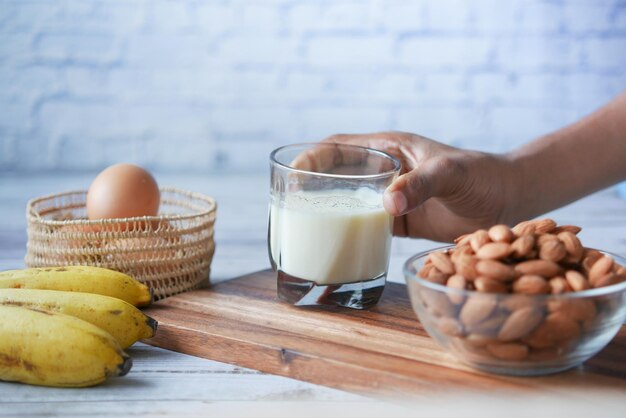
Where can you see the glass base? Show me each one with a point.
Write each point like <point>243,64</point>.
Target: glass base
<point>526,370</point>
<point>355,295</point>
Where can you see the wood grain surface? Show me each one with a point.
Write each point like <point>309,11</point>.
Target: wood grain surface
<point>167,383</point>
<point>384,350</point>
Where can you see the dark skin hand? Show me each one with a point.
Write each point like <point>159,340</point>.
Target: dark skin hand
<point>442,191</point>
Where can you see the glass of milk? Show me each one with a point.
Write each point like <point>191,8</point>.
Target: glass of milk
<point>329,236</point>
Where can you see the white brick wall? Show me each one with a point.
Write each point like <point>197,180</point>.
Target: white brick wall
<point>202,85</point>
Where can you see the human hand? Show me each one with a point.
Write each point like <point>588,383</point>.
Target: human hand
<point>442,191</point>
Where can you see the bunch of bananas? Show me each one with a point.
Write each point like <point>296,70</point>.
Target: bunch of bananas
<point>68,326</point>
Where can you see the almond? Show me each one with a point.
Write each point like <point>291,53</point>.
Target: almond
<point>600,268</point>
<point>576,309</point>
<point>436,276</point>
<point>543,268</point>
<point>487,285</point>
<point>494,251</point>
<point>489,327</point>
<point>555,329</point>
<point>541,337</point>
<point>463,240</point>
<point>466,266</point>
<point>510,351</point>
<point>458,252</point>
<point>456,282</point>
<point>568,329</point>
<point>590,256</point>
<point>425,270</point>
<point>477,340</point>
<point>567,228</point>
<point>609,280</point>
<point>544,238</point>
<point>437,303</point>
<point>501,233</point>
<point>553,250</point>
<point>495,270</point>
<point>576,280</point>
<point>479,238</point>
<point>442,262</point>
<point>520,323</point>
<point>543,226</point>
<point>523,246</point>
<point>558,285</point>
<point>589,325</point>
<point>476,309</point>
<point>524,228</point>
<point>545,354</point>
<point>450,326</point>
<point>469,349</point>
<point>572,245</point>
<point>531,284</point>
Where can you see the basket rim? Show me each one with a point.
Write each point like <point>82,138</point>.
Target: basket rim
<point>33,214</point>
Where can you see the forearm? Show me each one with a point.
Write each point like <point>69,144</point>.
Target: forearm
<point>568,164</point>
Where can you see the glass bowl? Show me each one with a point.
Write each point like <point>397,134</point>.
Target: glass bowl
<point>517,334</point>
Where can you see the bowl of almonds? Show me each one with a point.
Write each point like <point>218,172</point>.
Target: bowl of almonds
<point>527,300</point>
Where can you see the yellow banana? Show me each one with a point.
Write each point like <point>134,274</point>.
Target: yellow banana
<point>79,279</point>
<point>122,320</point>
<point>52,349</point>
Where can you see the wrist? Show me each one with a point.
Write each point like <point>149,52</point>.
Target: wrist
<point>514,174</point>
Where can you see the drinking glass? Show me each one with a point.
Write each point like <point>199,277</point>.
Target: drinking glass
<point>329,236</point>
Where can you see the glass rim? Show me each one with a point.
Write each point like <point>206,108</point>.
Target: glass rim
<point>396,162</point>
<point>600,291</point>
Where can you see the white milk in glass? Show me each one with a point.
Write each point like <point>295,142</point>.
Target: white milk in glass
<point>331,236</point>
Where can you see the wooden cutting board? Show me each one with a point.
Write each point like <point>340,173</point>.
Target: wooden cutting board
<point>384,350</point>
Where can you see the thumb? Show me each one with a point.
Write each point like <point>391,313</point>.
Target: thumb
<point>434,178</point>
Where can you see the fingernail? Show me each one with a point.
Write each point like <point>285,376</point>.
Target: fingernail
<point>395,201</point>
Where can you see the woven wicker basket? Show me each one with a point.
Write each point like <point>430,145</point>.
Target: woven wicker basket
<point>171,253</point>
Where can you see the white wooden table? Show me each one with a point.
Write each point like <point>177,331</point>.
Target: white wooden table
<point>167,383</point>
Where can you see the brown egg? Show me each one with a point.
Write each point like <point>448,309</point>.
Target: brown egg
<point>123,191</point>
